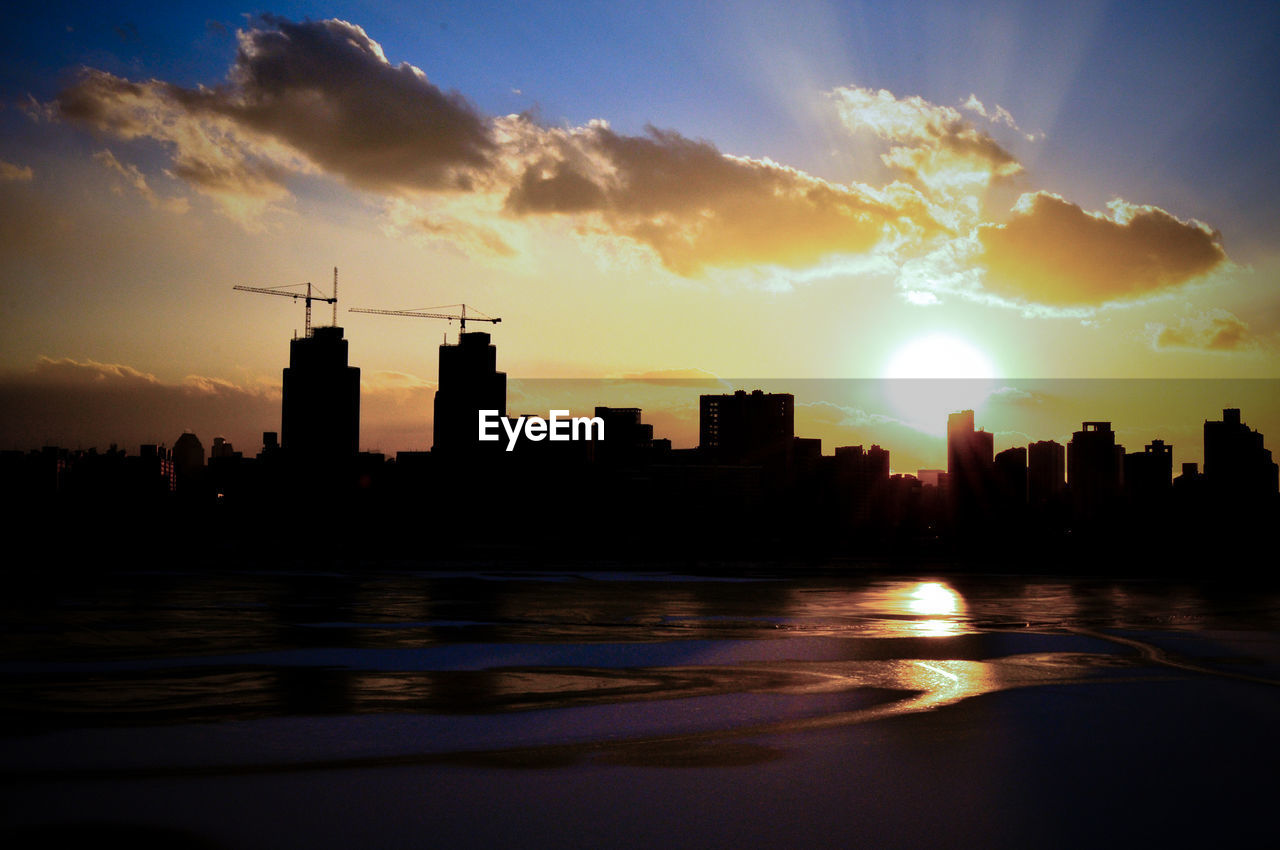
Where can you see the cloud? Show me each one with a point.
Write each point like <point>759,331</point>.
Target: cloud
<point>396,410</point>
<point>15,173</point>
<point>76,404</point>
<point>327,89</point>
<point>850,425</point>
<point>321,96</point>
<point>394,383</point>
<point>999,116</point>
<point>242,173</point>
<point>1012,394</point>
<point>921,297</point>
<point>456,224</point>
<point>1055,253</point>
<point>695,378</point>
<point>697,207</point>
<point>929,143</point>
<point>1214,330</point>
<point>138,181</point>
<point>300,97</point>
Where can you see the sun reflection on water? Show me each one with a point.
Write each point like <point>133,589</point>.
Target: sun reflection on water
<point>940,606</point>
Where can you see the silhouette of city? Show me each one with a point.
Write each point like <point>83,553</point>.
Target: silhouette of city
<point>752,487</point>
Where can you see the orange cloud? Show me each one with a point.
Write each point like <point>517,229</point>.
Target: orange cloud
<point>1053,252</point>
<point>697,207</point>
<point>17,173</point>
<point>1215,330</point>
<point>321,96</point>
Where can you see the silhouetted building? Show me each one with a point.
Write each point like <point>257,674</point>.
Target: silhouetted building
<point>930,477</point>
<point>1011,477</point>
<point>1236,464</point>
<point>1190,483</point>
<point>188,454</point>
<point>862,467</point>
<point>753,427</point>
<point>627,440</point>
<point>969,466</point>
<point>321,410</point>
<point>270,443</point>
<point>1046,471</point>
<point>1095,470</point>
<point>469,382</point>
<point>151,473</point>
<point>860,475</point>
<point>222,450</point>
<point>1148,474</point>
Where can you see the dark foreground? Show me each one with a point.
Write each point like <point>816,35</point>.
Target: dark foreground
<point>637,710</point>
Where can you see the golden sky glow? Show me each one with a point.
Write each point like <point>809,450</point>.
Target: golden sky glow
<point>819,231</point>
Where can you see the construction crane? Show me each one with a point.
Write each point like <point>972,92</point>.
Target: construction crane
<point>426,313</point>
<point>307,296</point>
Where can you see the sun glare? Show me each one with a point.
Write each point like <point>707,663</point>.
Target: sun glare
<point>932,376</point>
<point>939,356</point>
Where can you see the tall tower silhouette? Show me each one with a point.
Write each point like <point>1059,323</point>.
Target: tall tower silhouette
<point>1095,470</point>
<point>321,412</point>
<point>755,427</point>
<point>970,465</point>
<point>469,382</point>
<point>1046,470</point>
<point>1236,463</point>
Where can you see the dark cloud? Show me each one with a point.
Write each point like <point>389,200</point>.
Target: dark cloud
<point>1055,253</point>
<point>321,94</point>
<point>106,102</point>
<point>80,404</point>
<point>323,89</point>
<point>326,88</point>
<point>554,187</point>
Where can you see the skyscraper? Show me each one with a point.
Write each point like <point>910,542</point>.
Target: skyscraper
<point>1046,472</point>
<point>1148,474</point>
<point>1011,477</point>
<point>1236,463</point>
<point>969,466</point>
<point>1095,469</point>
<point>321,412</point>
<point>746,428</point>
<point>469,382</point>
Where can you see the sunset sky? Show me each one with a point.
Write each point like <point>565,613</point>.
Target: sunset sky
<point>724,193</point>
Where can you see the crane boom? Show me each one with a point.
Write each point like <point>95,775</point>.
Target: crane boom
<point>307,296</point>
<point>425,313</point>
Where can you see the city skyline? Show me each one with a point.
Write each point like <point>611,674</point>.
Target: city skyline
<point>815,418</point>
<point>1026,195</point>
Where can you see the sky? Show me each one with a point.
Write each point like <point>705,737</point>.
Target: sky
<point>727,195</point>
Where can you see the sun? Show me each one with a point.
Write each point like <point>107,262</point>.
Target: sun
<point>932,376</point>
<point>939,356</point>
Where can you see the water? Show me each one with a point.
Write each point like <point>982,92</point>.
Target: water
<point>324,708</point>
